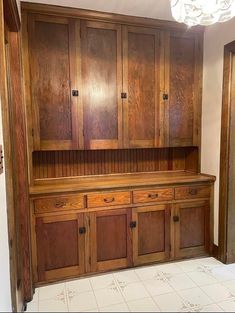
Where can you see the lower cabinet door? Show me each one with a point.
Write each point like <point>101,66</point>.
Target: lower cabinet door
<point>60,247</point>
<point>110,239</point>
<point>192,229</point>
<point>151,234</point>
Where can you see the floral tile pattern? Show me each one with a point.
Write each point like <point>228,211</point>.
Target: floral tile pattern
<point>198,285</point>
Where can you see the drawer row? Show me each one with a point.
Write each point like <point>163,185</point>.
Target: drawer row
<point>102,199</point>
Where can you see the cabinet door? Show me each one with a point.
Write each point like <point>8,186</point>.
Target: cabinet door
<point>54,73</point>
<point>102,85</point>
<point>151,234</point>
<point>110,237</point>
<point>141,83</point>
<point>183,82</point>
<point>60,247</point>
<point>192,223</point>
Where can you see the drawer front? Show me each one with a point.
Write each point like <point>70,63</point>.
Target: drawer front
<point>107,199</point>
<point>57,204</point>
<point>192,192</point>
<point>153,195</point>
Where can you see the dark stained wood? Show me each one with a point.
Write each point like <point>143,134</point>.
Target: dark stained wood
<point>102,85</point>
<point>141,82</point>
<point>183,86</point>
<point>151,237</point>
<point>18,133</point>
<point>107,17</point>
<point>52,63</point>
<point>110,239</point>
<point>226,251</point>
<point>60,247</point>
<point>192,230</point>
<point>11,15</point>
<point>79,163</point>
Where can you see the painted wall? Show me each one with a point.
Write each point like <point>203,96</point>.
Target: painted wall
<point>216,37</point>
<point>5,293</point>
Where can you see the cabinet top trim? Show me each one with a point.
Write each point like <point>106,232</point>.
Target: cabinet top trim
<point>107,17</point>
<point>115,181</point>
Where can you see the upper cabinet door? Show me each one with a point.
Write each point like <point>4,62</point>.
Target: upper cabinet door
<point>102,85</point>
<point>183,83</point>
<point>141,87</point>
<point>54,78</point>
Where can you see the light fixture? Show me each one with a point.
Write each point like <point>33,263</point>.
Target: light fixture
<point>202,12</point>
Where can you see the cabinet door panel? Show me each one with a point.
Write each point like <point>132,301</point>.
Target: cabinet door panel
<point>184,89</point>
<point>151,237</point>
<point>110,239</point>
<point>141,66</point>
<point>192,230</point>
<point>60,247</point>
<point>102,82</point>
<point>54,72</point>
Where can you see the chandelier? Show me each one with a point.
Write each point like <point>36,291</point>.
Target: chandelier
<point>202,12</point>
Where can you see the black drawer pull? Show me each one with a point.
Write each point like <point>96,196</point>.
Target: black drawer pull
<point>133,224</point>
<point>60,204</point>
<point>82,230</point>
<point>176,218</point>
<point>153,195</point>
<point>106,200</point>
<point>193,192</point>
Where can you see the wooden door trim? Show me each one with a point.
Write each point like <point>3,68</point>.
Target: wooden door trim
<point>229,52</point>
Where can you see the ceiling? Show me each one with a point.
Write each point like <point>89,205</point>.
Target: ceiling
<point>159,9</point>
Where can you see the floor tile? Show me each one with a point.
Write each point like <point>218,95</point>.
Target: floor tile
<point>195,297</point>
<point>78,286</point>
<point>102,281</point>
<point>218,292</point>
<point>222,274</point>
<point>126,277</point>
<point>134,291</point>
<point>53,305</point>
<point>157,287</point>
<point>230,267</point>
<point>210,262</point>
<point>143,305</point>
<point>202,278</point>
<point>211,308</point>
<point>189,265</point>
<point>56,291</point>
<point>160,271</point>
<point>108,297</point>
<point>181,282</point>
<point>230,285</point>
<point>228,306</point>
<point>121,307</point>
<point>169,302</point>
<point>82,301</point>
<point>146,273</point>
<point>32,306</point>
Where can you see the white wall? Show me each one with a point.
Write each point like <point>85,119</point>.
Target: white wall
<point>216,37</point>
<point>5,294</point>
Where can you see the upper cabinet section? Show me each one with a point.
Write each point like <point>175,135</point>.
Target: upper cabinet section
<point>184,87</point>
<point>102,85</point>
<point>54,71</point>
<point>141,84</point>
<point>92,84</point>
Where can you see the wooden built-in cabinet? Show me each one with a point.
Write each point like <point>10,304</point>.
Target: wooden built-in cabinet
<point>95,231</point>
<point>100,85</point>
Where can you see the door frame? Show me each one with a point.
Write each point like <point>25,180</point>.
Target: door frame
<point>226,214</point>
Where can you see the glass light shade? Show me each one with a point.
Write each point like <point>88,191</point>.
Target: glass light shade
<point>202,12</point>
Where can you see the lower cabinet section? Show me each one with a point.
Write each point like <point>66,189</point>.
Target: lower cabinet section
<point>110,239</point>
<point>192,229</point>
<point>151,234</point>
<point>69,245</point>
<point>60,244</point>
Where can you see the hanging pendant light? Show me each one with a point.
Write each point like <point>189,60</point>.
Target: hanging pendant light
<point>202,12</point>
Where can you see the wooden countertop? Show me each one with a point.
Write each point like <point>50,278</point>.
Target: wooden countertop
<point>117,181</point>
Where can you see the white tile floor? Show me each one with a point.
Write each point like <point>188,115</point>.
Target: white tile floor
<point>199,285</point>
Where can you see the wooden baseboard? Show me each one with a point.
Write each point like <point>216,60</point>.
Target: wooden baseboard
<point>215,251</point>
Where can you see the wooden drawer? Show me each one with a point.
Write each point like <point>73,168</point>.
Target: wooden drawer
<point>192,192</point>
<point>56,204</point>
<point>107,199</point>
<point>153,195</point>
